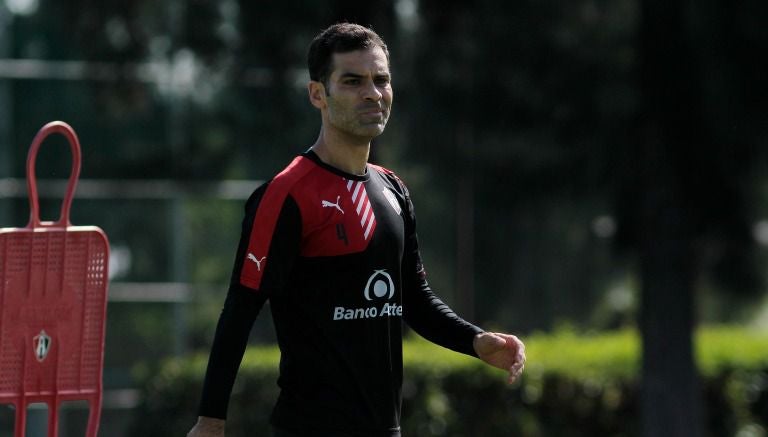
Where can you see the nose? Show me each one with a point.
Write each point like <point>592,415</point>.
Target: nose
<point>371,92</point>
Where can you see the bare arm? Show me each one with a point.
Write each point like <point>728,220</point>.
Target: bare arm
<point>208,427</point>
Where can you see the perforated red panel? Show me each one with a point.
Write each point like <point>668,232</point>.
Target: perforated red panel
<point>52,283</point>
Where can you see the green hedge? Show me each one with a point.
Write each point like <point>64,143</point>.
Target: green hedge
<point>574,385</point>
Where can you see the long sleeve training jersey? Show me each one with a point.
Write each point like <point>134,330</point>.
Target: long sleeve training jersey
<point>338,258</point>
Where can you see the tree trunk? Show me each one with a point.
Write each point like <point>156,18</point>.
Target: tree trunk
<point>670,400</point>
<point>670,396</point>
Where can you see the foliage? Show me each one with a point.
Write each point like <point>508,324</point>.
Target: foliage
<point>575,385</point>
<point>529,106</point>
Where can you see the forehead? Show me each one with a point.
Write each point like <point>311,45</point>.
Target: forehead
<point>372,61</point>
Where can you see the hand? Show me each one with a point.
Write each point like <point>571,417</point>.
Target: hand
<point>504,351</point>
<point>207,427</point>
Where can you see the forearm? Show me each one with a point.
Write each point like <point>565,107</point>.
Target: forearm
<point>431,318</point>
<point>231,338</point>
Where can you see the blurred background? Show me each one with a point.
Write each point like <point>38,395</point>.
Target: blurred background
<point>587,166</point>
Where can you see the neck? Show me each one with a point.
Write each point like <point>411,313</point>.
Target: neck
<point>349,155</point>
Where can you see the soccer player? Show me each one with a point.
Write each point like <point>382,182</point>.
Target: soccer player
<point>331,242</point>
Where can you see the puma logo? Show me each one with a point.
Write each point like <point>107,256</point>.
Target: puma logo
<point>328,204</point>
<point>252,257</point>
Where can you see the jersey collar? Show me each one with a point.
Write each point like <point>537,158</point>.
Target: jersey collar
<point>311,155</point>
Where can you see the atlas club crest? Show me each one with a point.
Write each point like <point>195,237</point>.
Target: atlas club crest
<point>42,345</point>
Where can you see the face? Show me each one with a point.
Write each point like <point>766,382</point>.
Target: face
<point>358,96</point>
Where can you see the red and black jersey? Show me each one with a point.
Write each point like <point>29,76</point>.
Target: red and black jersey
<point>337,257</point>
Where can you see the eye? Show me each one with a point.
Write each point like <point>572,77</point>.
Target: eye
<point>352,81</point>
<point>382,81</point>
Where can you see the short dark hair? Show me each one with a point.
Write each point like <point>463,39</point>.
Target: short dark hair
<point>339,38</point>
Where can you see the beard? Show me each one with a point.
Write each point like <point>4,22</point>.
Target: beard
<point>357,120</point>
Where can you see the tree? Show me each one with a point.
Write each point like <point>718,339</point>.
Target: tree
<point>688,201</point>
<point>593,102</point>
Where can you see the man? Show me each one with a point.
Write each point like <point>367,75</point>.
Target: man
<point>331,242</point>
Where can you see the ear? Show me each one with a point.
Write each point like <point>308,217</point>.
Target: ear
<point>317,94</point>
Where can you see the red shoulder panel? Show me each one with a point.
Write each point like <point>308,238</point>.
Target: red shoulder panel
<point>266,220</point>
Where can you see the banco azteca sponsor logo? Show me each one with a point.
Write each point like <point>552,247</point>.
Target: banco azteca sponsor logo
<point>378,287</point>
<point>381,284</point>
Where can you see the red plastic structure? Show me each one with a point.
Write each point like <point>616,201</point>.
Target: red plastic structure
<point>53,290</point>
